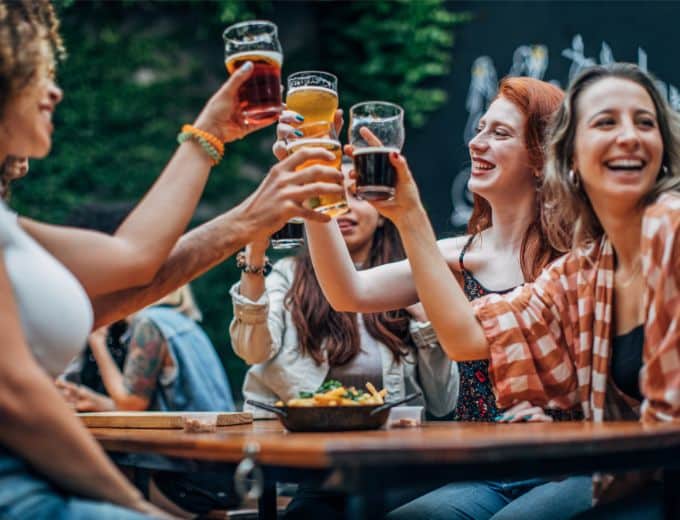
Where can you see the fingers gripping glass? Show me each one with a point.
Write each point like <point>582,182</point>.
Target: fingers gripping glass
<point>258,42</point>
<point>314,95</point>
<point>376,130</point>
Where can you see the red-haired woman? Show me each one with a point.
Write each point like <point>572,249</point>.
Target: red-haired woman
<point>506,247</point>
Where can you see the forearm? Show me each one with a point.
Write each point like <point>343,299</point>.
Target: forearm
<point>252,285</point>
<point>459,333</point>
<point>349,290</point>
<point>111,375</point>
<point>41,429</point>
<point>195,253</point>
<point>167,207</point>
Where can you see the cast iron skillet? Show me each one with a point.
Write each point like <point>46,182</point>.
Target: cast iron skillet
<point>332,418</point>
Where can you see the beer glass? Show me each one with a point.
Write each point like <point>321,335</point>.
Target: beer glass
<point>290,236</point>
<point>331,204</point>
<point>258,42</point>
<point>376,177</point>
<point>314,95</point>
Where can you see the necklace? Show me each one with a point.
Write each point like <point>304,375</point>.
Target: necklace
<point>633,275</point>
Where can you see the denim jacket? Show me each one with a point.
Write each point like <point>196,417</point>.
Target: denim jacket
<point>198,381</point>
<point>264,336</point>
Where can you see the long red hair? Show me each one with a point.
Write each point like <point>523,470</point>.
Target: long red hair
<point>538,101</point>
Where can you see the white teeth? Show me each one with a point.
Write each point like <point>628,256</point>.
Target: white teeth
<point>625,163</point>
<point>482,166</point>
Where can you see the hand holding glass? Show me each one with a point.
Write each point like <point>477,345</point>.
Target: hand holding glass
<point>258,42</point>
<point>376,130</point>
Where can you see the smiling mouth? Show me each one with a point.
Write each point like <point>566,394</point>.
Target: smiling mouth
<point>626,165</point>
<point>481,166</point>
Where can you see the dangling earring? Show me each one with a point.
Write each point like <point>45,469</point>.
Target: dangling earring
<point>574,180</point>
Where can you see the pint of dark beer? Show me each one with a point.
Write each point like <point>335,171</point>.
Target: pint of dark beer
<point>258,42</point>
<point>376,130</point>
<point>291,235</point>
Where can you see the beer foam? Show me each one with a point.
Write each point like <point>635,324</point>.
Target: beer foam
<point>375,149</point>
<point>272,56</point>
<point>310,87</point>
<point>313,141</point>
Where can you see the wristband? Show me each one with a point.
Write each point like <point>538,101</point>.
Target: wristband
<point>211,144</point>
<point>241,264</point>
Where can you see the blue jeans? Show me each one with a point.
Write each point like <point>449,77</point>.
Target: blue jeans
<point>24,494</point>
<point>533,499</point>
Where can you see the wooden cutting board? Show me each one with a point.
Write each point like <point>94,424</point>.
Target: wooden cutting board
<point>159,419</point>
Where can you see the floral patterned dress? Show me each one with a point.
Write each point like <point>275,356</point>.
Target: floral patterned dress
<point>476,400</point>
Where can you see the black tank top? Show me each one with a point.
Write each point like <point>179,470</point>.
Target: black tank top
<point>627,361</point>
<point>476,401</point>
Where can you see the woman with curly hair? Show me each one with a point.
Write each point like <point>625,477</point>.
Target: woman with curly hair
<point>52,276</point>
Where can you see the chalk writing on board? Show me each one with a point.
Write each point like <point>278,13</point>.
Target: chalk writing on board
<point>531,61</point>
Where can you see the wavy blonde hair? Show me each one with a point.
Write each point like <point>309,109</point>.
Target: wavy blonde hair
<point>568,216</point>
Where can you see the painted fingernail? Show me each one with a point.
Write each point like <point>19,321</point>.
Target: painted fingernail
<point>247,65</point>
<point>298,133</point>
<point>299,117</point>
<point>394,155</point>
<point>526,417</point>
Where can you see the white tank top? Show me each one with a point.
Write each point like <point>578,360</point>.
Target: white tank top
<point>55,312</point>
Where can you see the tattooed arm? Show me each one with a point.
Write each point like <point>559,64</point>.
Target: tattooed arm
<point>134,387</point>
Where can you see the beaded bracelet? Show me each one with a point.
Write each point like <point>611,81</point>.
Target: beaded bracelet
<point>211,144</point>
<point>241,264</point>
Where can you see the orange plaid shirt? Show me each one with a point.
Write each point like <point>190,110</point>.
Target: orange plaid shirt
<point>550,340</point>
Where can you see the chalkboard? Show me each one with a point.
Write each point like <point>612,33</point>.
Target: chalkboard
<point>546,40</point>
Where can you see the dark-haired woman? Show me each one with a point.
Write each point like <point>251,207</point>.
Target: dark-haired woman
<point>286,329</point>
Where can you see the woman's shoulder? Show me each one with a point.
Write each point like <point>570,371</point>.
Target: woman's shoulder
<point>452,247</point>
<point>666,208</point>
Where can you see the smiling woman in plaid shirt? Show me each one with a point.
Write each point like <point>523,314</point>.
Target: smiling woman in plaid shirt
<point>599,327</point>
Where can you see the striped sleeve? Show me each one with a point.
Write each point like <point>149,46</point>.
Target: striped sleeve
<point>529,332</point>
<point>660,376</point>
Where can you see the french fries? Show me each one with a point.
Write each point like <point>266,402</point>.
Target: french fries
<point>339,396</point>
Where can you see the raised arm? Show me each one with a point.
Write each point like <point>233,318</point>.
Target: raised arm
<point>452,317</point>
<point>350,290</point>
<point>259,322</point>
<point>279,197</point>
<point>139,247</point>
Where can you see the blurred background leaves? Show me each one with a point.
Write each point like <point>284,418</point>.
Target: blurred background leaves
<point>137,70</point>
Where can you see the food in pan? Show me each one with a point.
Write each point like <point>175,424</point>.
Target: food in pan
<point>333,393</point>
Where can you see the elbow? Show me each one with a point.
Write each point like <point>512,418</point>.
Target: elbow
<point>141,271</point>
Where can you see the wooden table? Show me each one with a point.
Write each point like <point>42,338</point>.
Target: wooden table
<point>365,464</point>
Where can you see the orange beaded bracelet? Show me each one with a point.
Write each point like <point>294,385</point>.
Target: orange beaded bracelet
<point>211,144</point>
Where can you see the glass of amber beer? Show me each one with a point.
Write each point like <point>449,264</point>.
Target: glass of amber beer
<point>376,177</point>
<point>314,95</point>
<point>256,41</point>
<point>335,204</point>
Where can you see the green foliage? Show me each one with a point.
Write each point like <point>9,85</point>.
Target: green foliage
<point>137,70</point>
<point>389,49</point>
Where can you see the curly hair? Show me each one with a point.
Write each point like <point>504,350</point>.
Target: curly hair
<point>569,218</point>
<point>24,25</point>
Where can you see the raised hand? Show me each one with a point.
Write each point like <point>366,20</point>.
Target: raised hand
<point>222,114</point>
<point>282,194</point>
<point>287,130</point>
